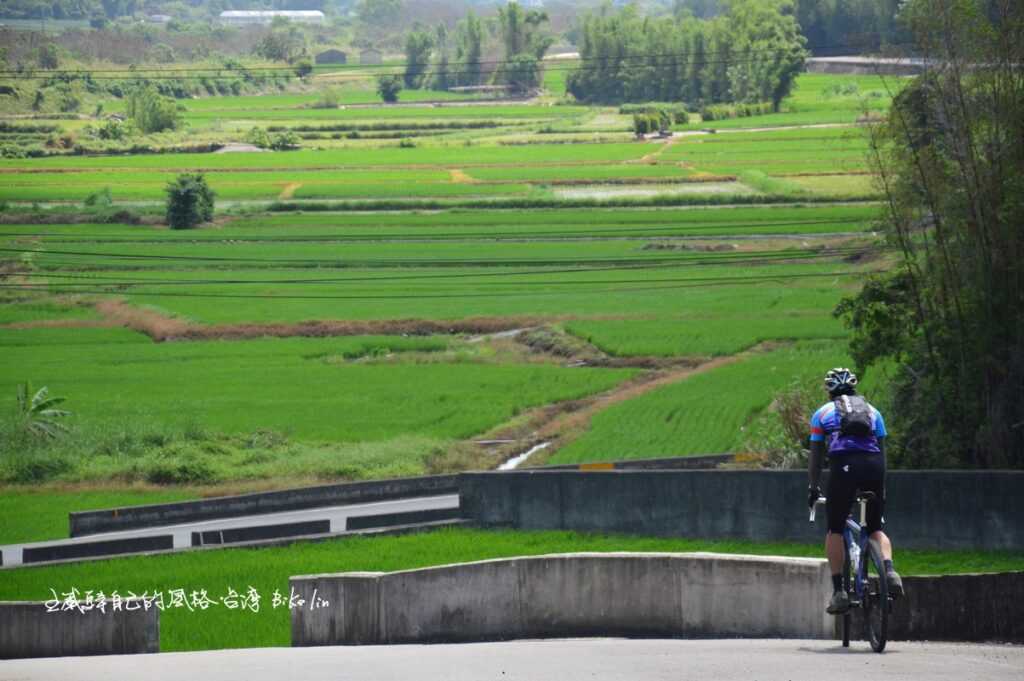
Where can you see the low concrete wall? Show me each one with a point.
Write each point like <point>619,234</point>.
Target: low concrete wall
<point>866,66</point>
<point>107,547</point>
<point>671,463</point>
<point>926,509</point>
<point>583,594</point>
<point>364,522</point>
<point>982,607</point>
<point>28,630</point>
<point>130,517</point>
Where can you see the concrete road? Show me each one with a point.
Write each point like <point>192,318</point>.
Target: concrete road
<point>12,553</point>
<point>559,660</point>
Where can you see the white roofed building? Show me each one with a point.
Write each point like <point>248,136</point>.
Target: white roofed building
<point>243,17</point>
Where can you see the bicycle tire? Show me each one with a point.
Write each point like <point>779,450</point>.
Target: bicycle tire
<point>846,621</point>
<point>876,597</point>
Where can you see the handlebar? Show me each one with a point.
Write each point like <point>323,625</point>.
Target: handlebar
<point>861,496</point>
<point>821,500</point>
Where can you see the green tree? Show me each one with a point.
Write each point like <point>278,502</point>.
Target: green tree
<point>441,79</point>
<point>47,56</point>
<point>950,159</point>
<point>525,41</point>
<point>379,13</point>
<point>418,44</point>
<point>189,201</point>
<point>469,36</point>
<point>151,112</point>
<point>769,51</point>
<point>388,88</point>
<point>284,41</point>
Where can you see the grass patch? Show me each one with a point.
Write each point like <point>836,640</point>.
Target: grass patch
<point>705,414</point>
<point>286,385</point>
<point>269,569</point>
<point>42,514</point>
<point>705,337</point>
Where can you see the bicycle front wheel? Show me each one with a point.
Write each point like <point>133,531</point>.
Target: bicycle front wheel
<point>876,597</point>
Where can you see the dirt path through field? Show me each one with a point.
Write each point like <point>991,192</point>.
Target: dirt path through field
<point>653,156</point>
<point>460,177</point>
<point>161,328</point>
<point>150,322</point>
<point>563,423</point>
<point>289,190</point>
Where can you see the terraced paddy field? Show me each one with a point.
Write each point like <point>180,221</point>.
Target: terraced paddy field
<point>400,304</point>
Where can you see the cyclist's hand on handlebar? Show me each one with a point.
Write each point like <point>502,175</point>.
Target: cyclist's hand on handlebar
<point>813,494</point>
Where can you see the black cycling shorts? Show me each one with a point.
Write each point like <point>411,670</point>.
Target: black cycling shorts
<point>849,473</point>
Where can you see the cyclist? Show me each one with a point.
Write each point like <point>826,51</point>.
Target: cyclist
<point>856,462</point>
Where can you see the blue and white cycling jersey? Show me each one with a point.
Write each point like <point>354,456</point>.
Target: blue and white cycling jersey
<point>825,426</point>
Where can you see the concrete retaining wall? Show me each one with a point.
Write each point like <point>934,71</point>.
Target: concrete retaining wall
<point>584,594</point>
<point>675,462</point>
<point>28,630</point>
<point>983,607</point>
<point>925,509</point>
<point>866,66</point>
<point>130,517</point>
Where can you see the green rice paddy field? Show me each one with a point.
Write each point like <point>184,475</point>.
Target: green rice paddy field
<point>402,381</point>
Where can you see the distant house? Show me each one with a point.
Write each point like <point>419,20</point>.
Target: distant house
<point>370,56</point>
<point>243,17</point>
<point>159,18</point>
<point>331,56</point>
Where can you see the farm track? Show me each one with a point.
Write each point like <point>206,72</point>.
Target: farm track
<point>562,423</point>
<point>162,328</point>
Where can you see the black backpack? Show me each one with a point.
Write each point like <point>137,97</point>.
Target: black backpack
<point>854,416</point>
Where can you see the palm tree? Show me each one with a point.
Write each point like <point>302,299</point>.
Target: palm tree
<point>36,412</point>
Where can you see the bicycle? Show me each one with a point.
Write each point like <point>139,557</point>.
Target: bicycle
<point>870,591</point>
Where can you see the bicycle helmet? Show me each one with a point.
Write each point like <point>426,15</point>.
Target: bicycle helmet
<point>840,381</point>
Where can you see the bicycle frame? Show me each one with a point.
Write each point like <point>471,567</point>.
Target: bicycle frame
<point>854,535</point>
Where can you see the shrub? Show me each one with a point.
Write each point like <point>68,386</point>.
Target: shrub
<point>115,129</point>
<point>388,88</point>
<point>407,143</point>
<point>717,112</point>
<point>303,68</point>
<point>188,467</point>
<point>329,99</point>
<point>152,112</point>
<point>101,198</point>
<point>258,137</point>
<point>189,201</point>
<point>641,124</point>
<point>282,141</point>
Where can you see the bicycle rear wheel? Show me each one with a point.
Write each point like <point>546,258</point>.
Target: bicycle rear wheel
<point>876,597</point>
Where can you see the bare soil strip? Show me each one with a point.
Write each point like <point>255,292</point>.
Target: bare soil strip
<point>162,328</point>
<point>653,156</point>
<point>460,177</point>
<point>289,190</point>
